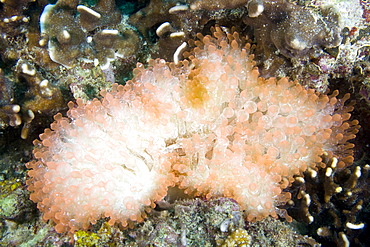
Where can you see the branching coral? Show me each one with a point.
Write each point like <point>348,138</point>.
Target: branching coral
<point>42,97</point>
<point>9,112</point>
<point>331,201</point>
<point>12,16</point>
<point>208,124</point>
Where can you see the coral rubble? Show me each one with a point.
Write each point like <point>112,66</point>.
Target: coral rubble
<point>191,223</point>
<point>195,222</point>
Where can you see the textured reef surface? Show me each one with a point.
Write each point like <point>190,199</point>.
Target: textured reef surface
<point>204,144</point>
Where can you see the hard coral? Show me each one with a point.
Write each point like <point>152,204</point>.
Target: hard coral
<point>238,238</point>
<point>12,16</point>
<point>72,31</point>
<point>209,120</point>
<point>9,112</point>
<point>166,24</point>
<point>294,29</point>
<point>42,96</point>
<point>333,201</point>
<point>66,38</point>
<point>287,35</point>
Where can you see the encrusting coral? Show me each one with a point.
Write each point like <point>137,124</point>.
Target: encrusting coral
<point>208,124</point>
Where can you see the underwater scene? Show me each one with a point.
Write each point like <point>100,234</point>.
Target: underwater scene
<point>184,123</point>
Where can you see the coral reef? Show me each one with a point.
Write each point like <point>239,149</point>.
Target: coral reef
<point>41,98</point>
<point>27,56</point>
<point>279,20</point>
<point>331,201</point>
<point>115,35</point>
<point>165,25</point>
<point>307,54</point>
<point>209,120</point>
<point>12,17</point>
<point>279,27</point>
<point>239,238</point>
<point>93,34</point>
<point>20,224</point>
<point>9,112</point>
<point>217,222</point>
<point>191,223</point>
<point>26,93</point>
<point>195,222</point>
<point>11,195</point>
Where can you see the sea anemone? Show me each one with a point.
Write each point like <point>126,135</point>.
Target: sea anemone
<point>208,124</point>
<point>101,161</point>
